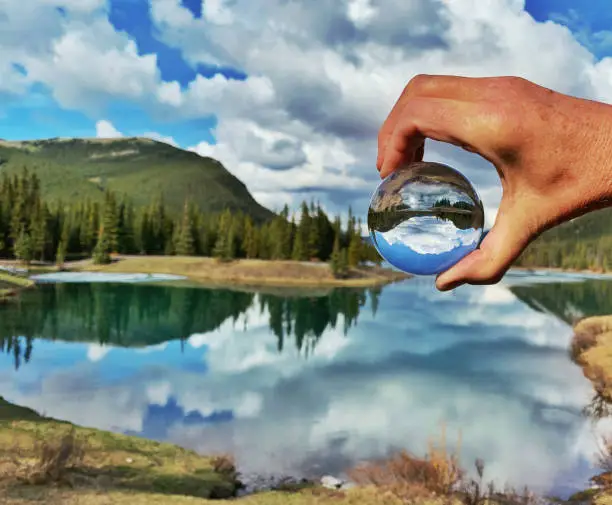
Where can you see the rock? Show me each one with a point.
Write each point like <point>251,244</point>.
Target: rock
<point>331,482</point>
<point>129,460</point>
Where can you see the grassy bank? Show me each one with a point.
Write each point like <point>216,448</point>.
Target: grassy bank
<point>244,272</point>
<point>10,285</point>
<point>43,460</point>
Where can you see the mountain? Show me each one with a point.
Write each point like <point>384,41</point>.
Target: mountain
<point>582,243</point>
<point>139,168</point>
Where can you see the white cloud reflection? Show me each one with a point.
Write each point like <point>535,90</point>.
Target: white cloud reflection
<point>478,359</point>
<point>430,235</point>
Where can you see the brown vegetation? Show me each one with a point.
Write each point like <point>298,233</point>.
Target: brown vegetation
<point>436,477</point>
<point>591,348</point>
<point>245,272</point>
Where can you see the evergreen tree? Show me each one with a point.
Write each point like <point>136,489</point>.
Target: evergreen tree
<point>23,247</point>
<point>185,241</point>
<point>354,251</point>
<point>249,244</point>
<point>299,249</point>
<point>60,255</point>
<point>225,241</point>
<point>111,222</point>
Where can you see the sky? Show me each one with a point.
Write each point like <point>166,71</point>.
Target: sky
<point>288,97</point>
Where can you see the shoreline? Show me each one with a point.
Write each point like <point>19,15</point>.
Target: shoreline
<point>591,350</point>
<point>244,273</point>
<point>55,461</point>
<point>559,270</point>
<point>12,285</point>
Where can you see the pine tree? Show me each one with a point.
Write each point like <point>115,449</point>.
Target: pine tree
<point>23,247</point>
<point>354,251</point>
<point>185,240</point>
<point>225,240</point>
<point>299,250</point>
<point>249,244</point>
<point>101,253</point>
<point>60,255</point>
<point>335,257</point>
<point>111,222</point>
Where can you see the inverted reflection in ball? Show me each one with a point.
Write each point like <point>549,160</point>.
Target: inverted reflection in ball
<point>425,217</point>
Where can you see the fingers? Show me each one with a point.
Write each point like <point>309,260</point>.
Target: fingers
<point>427,86</point>
<point>487,265</point>
<point>451,121</point>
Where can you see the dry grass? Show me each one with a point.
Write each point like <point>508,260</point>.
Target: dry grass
<point>591,349</point>
<point>47,461</point>
<point>249,272</point>
<point>411,478</point>
<point>437,478</point>
<point>56,459</point>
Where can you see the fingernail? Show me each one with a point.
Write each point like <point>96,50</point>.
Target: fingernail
<point>449,286</point>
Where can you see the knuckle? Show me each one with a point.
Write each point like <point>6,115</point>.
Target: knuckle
<point>512,81</point>
<point>383,136</point>
<point>418,84</point>
<point>489,273</point>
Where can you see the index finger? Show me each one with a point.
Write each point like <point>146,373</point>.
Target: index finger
<point>451,121</point>
<point>422,85</point>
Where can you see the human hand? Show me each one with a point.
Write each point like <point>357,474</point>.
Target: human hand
<point>552,152</point>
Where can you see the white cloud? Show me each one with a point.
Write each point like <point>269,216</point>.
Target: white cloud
<point>429,235</point>
<point>96,352</point>
<point>161,138</point>
<point>337,70</point>
<point>90,63</point>
<point>323,79</point>
<point>106,130</point>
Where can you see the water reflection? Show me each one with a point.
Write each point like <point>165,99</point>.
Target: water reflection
<point>218,370</point>
<point>569,301</point>
<point>139,316</point>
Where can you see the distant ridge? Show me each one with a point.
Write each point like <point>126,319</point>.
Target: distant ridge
<point>140,168</point>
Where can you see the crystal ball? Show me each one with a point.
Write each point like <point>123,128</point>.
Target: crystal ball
<point>425,217</point>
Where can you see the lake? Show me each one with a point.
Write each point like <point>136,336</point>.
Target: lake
<point>308,384</point>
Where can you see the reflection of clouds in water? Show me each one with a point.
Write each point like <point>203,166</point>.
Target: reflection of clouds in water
<point>421,195</point>
<point>430,235</point>
<point>477,358</point>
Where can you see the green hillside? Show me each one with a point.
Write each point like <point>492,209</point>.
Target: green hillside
<point>583,243</point>
<point>140,168</point>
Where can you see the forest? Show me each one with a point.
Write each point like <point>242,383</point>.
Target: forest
<point>34,230</point>
<point>584,243</point>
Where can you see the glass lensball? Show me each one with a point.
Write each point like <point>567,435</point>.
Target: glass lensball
<point>425,217</point>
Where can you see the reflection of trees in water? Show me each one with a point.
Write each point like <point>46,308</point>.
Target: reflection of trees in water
<point>19,347</point>
<point>138,316</point>
<point>568,301</point>
<point>599,407</point>
<point>462,214</point>
<point>307,318</point>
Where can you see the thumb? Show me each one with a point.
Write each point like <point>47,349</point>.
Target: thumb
<point>500,247</point>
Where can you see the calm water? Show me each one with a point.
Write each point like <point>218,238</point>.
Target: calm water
<point>307,385</point>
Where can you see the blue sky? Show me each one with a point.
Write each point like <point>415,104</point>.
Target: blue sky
<point>237,81</point>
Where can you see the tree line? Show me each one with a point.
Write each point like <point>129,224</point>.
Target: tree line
<point>133,315</point>
<point>33,229</point>
<point>577,254</point>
